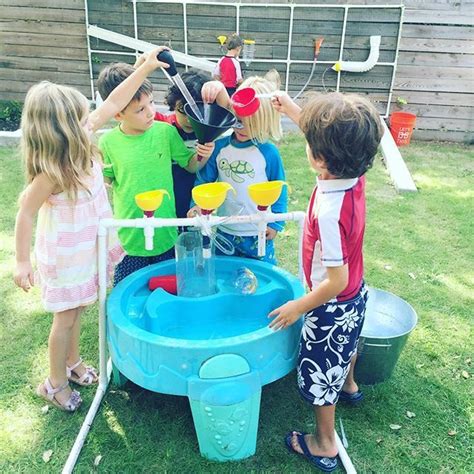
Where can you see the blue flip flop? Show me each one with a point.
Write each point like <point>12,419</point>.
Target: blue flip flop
<point>351,398</point>
<point>325,464</point>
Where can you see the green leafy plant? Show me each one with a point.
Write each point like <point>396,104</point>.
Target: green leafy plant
<point>401,101</point>
<point>10,115</point>
<point>95,59</point>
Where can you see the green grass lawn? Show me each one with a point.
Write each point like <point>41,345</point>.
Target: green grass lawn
<point>418,246</point>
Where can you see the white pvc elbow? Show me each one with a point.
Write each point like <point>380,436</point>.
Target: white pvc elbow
<point>362,66</point>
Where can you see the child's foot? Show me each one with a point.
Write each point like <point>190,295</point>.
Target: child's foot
<point>324,458</point>
<point>82,374</point>
<point>314,448</point>
<point>351,394</point>
<point>61,397</point>
<point>350,387</point>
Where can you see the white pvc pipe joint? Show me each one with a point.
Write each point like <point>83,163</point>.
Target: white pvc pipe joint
<point>362,66</point>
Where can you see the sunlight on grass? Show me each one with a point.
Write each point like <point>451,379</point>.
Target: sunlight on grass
<point>434,183</point>
<point>24,303</point>
<point>20,427</point>
<point>454,285</point>
<point>114,425</point>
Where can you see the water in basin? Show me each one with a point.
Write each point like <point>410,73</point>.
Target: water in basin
<point>207,318</point>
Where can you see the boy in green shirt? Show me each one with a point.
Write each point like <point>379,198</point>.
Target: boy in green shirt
<point>138,155</point>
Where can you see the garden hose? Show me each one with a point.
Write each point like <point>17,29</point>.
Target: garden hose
<point>317,45</point>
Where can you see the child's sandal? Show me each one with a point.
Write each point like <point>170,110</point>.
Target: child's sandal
<point>89,377</point>
<point>45,390</point>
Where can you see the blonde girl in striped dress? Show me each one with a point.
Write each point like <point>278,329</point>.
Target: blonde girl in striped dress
<point>66,193</point>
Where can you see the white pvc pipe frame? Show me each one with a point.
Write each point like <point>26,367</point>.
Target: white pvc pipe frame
<point>288,61</point>
<point>104,365</point>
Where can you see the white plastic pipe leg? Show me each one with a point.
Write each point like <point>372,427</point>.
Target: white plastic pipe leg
<point>262,238</point>
<point>344,457</point>
<point>149,232</point>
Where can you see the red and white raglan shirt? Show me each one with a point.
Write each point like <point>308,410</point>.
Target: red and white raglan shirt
<point>334,232</point>
<point>228,69</point>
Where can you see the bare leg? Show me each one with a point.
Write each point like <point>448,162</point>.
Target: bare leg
<point>323,443</point>
<point>350,385</point>
<point>58,346</point>
<point>73,352</point>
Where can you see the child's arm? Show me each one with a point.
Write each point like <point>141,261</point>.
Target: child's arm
<point>214,91</point>
<point>238,74</point>
<point>216,74</point>
<point>208,174</point>
<point>30,202</point>
<point>284,104</point>
<point>123,94</point>
<point>275,172</point>
<point>337,279</point>
<point>204,151</point>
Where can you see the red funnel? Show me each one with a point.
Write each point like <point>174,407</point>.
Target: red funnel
<point>245,102</point>
<point>217,121</point>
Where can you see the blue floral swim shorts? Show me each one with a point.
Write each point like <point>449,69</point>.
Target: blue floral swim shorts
<point>328,342</point>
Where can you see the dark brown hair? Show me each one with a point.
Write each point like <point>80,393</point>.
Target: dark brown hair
<point>115,74</point>
<point>193,80</point>
<point>344,130</point>
<point>234,41</point>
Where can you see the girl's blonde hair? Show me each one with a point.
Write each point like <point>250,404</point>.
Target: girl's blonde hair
<point>273,76</point>
<point>265,124</point>
<point>54,141</point>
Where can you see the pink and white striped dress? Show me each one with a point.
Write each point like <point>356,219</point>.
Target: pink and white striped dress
<point>66,245</point>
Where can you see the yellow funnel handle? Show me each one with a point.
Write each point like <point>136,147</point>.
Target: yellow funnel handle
<point>227,187</point>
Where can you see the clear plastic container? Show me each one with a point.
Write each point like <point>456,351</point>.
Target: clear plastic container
<point>195,266</point>
<point>248,52</point>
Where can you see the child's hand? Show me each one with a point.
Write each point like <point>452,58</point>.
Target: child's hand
<point>281,102</point>
<point>215,91</point>
<point>210,90</point>
<point>205,151</point>
<point>196,210</point>
<point>270,233</point>
<point>150,59</point>
<point>140,60</point>
<point>23,275</point>
<point>286,315</point>
<point>284,104</point>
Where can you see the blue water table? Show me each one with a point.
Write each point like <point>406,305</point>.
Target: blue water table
<point>217,350</point>
<point>213,346</point>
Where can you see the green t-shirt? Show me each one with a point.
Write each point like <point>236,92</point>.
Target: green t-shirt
<point>139,163</point>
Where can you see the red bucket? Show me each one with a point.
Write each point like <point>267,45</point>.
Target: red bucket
<point>401,127</point>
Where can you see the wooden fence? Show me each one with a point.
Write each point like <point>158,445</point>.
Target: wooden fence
<point>46,39</point>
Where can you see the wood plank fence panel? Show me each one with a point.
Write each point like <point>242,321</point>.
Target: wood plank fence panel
<point>46,39</point>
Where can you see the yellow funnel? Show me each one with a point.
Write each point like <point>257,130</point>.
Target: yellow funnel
<point>222,39</point>
<point>211,195</point>
<point>267,193</point>
<point>150,201</point>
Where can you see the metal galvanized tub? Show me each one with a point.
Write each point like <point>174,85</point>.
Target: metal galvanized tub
<point>388,322</point>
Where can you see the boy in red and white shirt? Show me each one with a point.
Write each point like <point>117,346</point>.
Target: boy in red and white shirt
<point>228,68</point>
<point>342,134</point>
